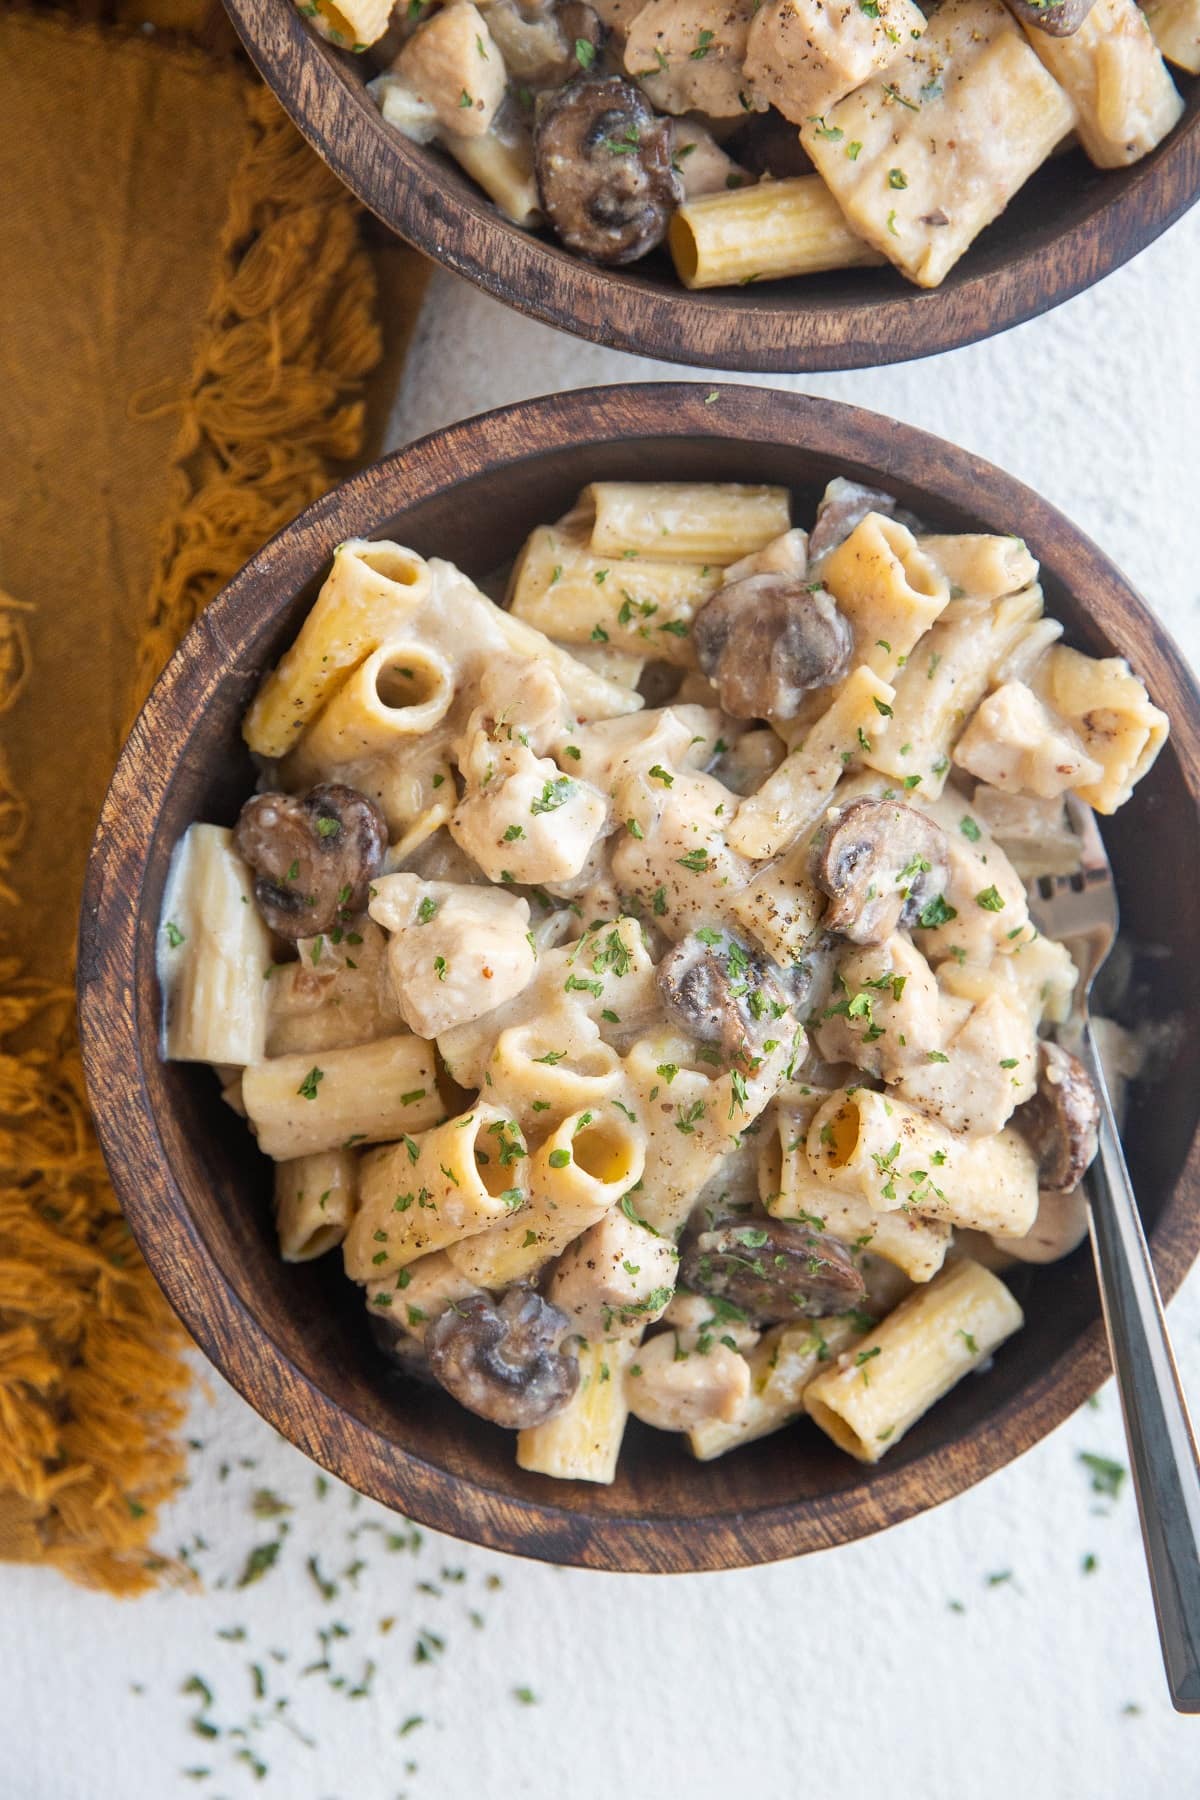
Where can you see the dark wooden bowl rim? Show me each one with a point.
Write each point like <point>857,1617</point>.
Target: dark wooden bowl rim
<point>203,1294</point>
<point>825,322</point>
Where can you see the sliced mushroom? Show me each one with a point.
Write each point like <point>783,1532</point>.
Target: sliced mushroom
<point>501,1359</point>
<point>881,863</point>
<point>844,505</point>
<point>773,1269</point>
<point>603,163</point>
<point>581,24</point>
<point>314,856</point>
<point>767,640</point>
<point>717,990</point>
<point>1057,18</point>
<point>1060,1123</point>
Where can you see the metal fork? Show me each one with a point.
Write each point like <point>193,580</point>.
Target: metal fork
<point>1081,911</point>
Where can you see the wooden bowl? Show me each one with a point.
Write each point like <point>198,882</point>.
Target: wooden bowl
<point>1069,226</point>
<point>294,1340</point>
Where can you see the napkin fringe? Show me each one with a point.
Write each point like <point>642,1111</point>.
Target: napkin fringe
<point>93,1376</point>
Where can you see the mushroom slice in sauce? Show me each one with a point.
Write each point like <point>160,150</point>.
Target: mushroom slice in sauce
<point>603,163</point>
<point>717,990</point>
<point>1061,1122</point>
<point>844,506</point>
<point>766,640</point>
<point>1057,18</point>
<point>314,856</point>
<point>774,1269</point>
<point>501,1359</point>
<point>880,862</point>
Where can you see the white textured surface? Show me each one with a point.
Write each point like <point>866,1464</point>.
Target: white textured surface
<point>844,1673</point>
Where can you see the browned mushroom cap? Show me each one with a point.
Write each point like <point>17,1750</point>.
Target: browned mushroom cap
<point>313,855</point>
<point>580,24</point>
<point>1060,1123</point>
<point>1057,18</point>
<point>767,640</point>
<point>881,863</point>
<point>774,1269</point>
<point>603,162</point>
<point>501,1359</point>
<point>717,990</point>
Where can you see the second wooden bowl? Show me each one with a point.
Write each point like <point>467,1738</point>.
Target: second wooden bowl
<point>294,1340</point>
<point>1069,226</point>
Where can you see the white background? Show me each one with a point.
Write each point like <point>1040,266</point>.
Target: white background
<point>848,1673</point>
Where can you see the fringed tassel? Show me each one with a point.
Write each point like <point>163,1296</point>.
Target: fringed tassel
<point>92,1377</point>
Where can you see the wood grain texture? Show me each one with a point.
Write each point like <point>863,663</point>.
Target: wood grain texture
<point>294,1339</point>
<point>1071,225</point>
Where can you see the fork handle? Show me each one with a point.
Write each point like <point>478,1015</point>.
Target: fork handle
<point>1162,1447</point>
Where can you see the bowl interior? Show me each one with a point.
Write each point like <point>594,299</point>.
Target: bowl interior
<point>1070,225</point>
<point>220,1187</point>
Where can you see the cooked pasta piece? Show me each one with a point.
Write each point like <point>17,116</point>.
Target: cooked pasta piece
<point>893,1156</point>
<point>1125,100</point>
<point>764,233</point>
<point>358,1094</point>
<point>576,1176</point>
<point>781,1365</point>
<point>315,1197</point>
<point>881,1387</point>
<point>584,1441</point>
<point>642,603</point>
<point>427,1192</point>
<point>1176,28</point>
<point>888,588</point>
<point>213,954</point>
<point>683,521</point>
<point>794,797</point>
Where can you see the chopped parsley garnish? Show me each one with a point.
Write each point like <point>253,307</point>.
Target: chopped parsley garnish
<point>936,912</point>
<point>308,1087</point>
<point>553,795</point>
<point>991,900</point>
<point>969,828</point>
<point>175,937</point>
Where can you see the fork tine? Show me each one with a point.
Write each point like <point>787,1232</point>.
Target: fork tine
<point>1092,854</point>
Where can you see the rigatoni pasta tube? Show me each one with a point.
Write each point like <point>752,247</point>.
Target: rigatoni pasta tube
<point>214,951</point>
<point>763,233</point>
<point>580,1171</point>
<point>425,1193</point>
<point>889,589</point>
<point>782,1364</point>
<point>935,1337</point>
<point>314,1203</point>
<point>794,797</point>
<point>640,604</point>
<point>1111,68</point>
<point>582,1443</point>
<point>790,1190</point>
<point>980,565</point>
<point>371,592</point>
<point>400,693</point>
<point>866,1143</point>
<point>683,521</point>
<point>362,1094</point>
